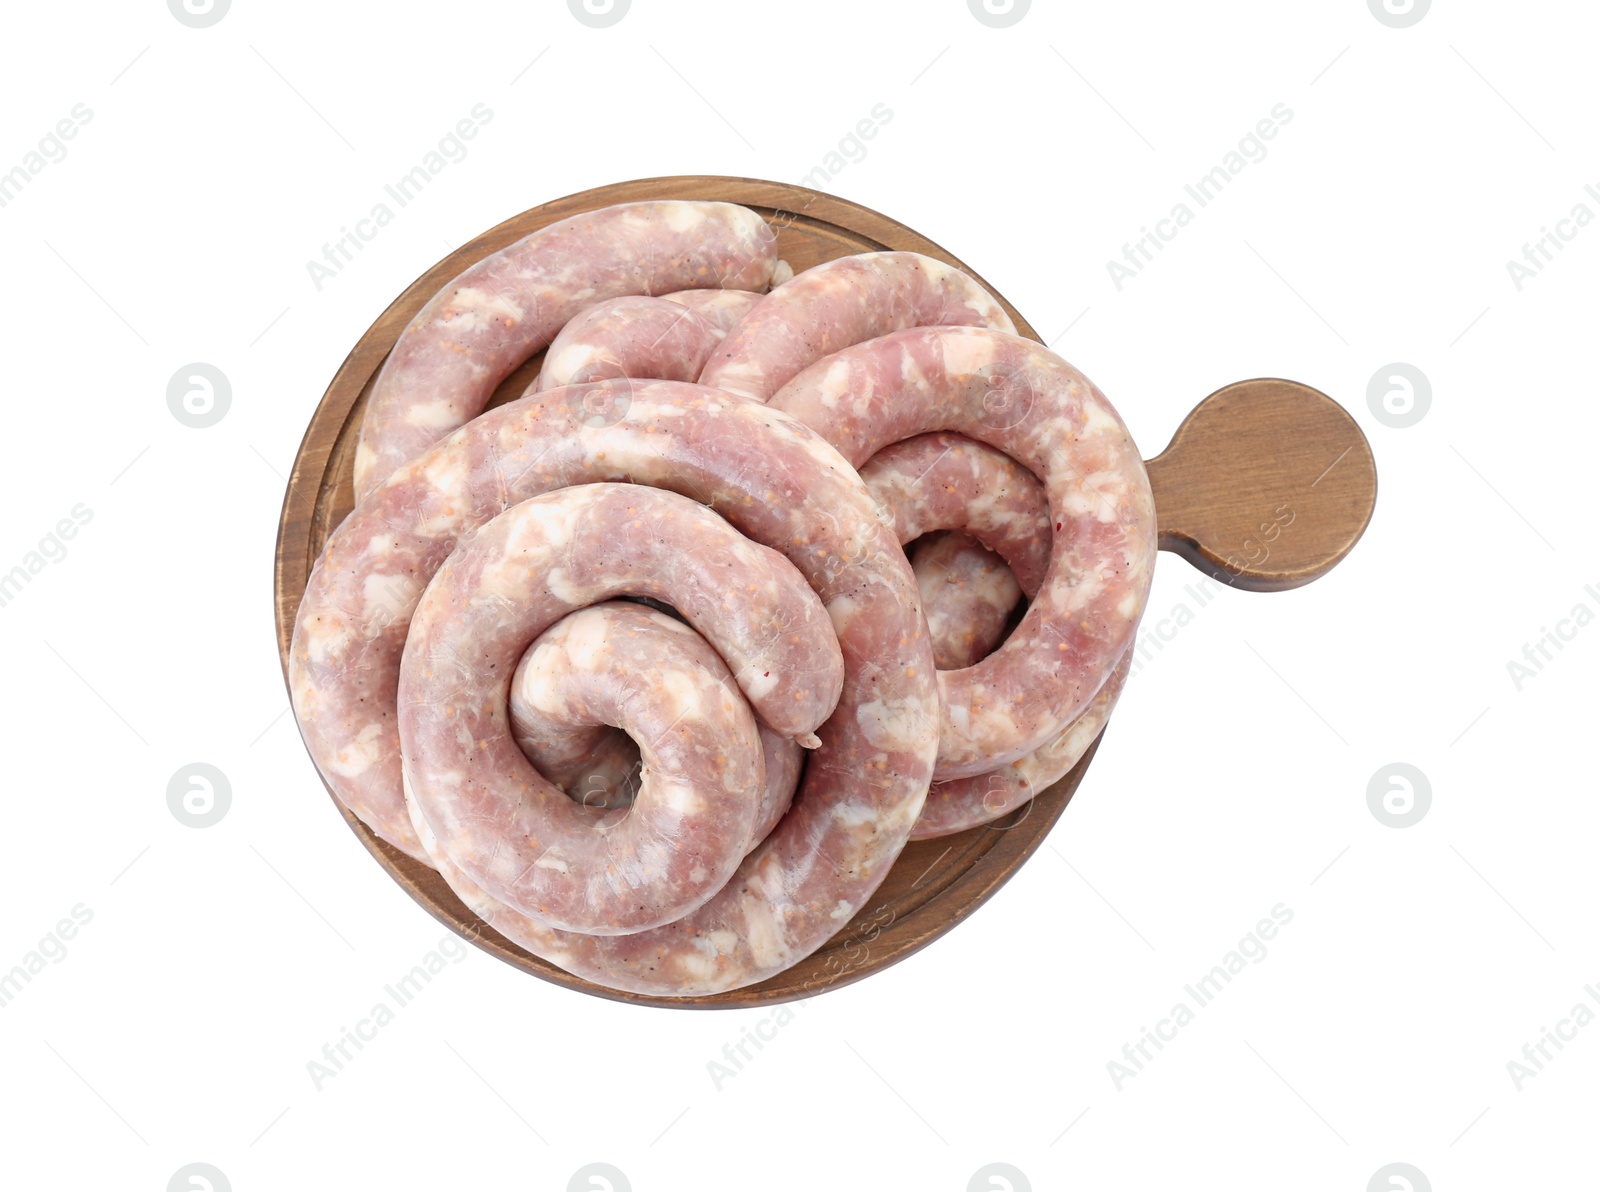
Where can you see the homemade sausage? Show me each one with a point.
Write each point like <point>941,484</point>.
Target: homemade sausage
<point>514,834</point>
<point>1022,399</point>
<point>843,302</point>
<point>607,657</point>
<point>946,481</point>
<point>629,337</point>
<point>963,803</point>
<point>778,483</point>
<point>595,765</point>
<point>968,593</point>
<point>500,311</point>
<point>722,308</point>
<point>669,338</point>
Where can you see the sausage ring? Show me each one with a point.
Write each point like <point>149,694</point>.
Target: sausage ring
<point>509,829</point>
<point>775,481</point>
<point>588,672</point>
<point>1020,398</point>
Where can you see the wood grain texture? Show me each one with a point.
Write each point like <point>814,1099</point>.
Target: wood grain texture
<point>1265,486</point>
<point>1204,484</point>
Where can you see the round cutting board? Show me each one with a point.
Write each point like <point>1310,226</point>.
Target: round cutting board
<point>934,884</point>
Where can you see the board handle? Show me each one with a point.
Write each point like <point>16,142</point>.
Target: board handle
<point>1265,486</point>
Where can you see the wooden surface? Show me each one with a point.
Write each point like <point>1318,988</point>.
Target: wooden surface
<point>935,884</point>
<point>1265,486</point>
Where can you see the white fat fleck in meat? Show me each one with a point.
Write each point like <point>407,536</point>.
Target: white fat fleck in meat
<point>488,302</point>
<point>570,361</point>
<point>447,523</point>
<point>447,473</point>
<point>366,458</point>
<point>325,638</point>
<point>552,861</point>
<point>584,640</point>
<point>624,441</point>
<point>757,684</point>
<point>1099,420</point>
<point>542,685</point>
<point>913,376</point>
<point>545,522</point>
<point>509,578</point>
<point>835,383</point>
<point>842,613</point>
<point>388,598</point>
<point>965,352</point>
<point>441,415</point>
<point>667,622</point>
<point>681,217</point>
<point>559,584</point>
<point>680,796</point>
<point>764,933</point>
<point>893,724</point>
<point>842,912</point>
<point>1128,607</point>
<point>1070,599</point>
<point>858,815</point>
<point>1113,484</point>
<point>744,379</point>
<point>989,723</point>
<point>359,754</point>
<point>1085,502</point>
<point>696,967</point>
<point>682,692</point>
<point>959,718</point>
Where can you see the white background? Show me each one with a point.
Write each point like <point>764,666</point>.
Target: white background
<point>1419,961</point>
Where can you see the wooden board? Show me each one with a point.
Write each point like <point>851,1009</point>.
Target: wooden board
<point>935,884</point>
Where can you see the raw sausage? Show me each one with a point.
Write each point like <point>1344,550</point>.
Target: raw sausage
<point>968,593</point>
<point>500,311</point>
<point>843,302</point>
<point>629,337</point>
<point>1022,399</point>
<point>514,834</point>
<point>623,652</point>
<point>669,338</point>
<point>779,484</point>
<point>722,308</point>
<point>946,481</point>
<point>963,803</point>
